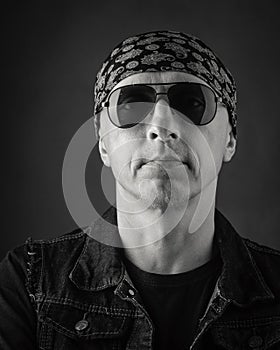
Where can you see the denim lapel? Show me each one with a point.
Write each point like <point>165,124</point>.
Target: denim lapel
<point>99,266</point>
<point>241,280</point>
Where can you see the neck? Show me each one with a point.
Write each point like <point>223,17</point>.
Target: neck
<point>169,242</point>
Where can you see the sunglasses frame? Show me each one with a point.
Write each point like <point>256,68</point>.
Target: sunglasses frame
<point>105,104</point>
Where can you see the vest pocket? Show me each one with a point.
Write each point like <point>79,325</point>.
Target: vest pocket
<point>63,327</point>
<point>257,334</point>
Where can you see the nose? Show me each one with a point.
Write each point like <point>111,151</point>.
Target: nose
<point>162,125</point>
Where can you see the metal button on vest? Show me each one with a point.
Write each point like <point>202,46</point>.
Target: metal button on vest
<point>255,341</point>
<point>131,292</point>
<point>81,325</point>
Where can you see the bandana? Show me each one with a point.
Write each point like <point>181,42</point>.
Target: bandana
<point>165,51</point>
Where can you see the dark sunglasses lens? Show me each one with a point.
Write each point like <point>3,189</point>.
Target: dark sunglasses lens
<point>129,105</point>
<point>197,102</point>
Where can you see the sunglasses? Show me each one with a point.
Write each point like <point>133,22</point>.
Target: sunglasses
<point>129,105</point>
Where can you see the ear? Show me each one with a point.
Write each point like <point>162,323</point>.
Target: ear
<point>103,152</point>
<point>230,146</point>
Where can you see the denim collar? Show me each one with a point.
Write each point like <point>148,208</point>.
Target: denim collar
<point>241,281</point>
<point>100,266</point>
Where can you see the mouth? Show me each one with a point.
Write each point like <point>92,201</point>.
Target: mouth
<point>163,162</point>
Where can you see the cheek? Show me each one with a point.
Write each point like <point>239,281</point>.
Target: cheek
<point>214,151</point>
<point>208,148</point>
<point>217,156</point>
<point>122,146</point>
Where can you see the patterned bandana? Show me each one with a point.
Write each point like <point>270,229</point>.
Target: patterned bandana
<point>165,51</point>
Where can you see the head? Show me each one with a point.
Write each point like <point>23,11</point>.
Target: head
<point>166,154</point>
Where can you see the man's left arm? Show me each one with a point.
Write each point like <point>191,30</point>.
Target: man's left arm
<point>17,315</point>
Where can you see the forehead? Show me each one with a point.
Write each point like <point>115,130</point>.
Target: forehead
<point>159,77</point>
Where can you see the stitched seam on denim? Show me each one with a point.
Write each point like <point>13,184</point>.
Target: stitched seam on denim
<point>103,286</point>
<point>219,332</point>
<point>59,239</point>
<point>135,330</point>
<point>223,277</point>
<point>247,323</point>
<point>36,264</point>
<point>42,269</point>
<point>65,238</point>
<point>59,327</point>
<point>118,291</point>
<point>45,337</point>
<point>150,332</point>
<point>34,259</point>
<point>138,321</point>
<point>261,248</point>
<point>94,308</point>
<point>274,341</point>
<point>28,265</point>
<point>211,320</point>
<point>49,337</point>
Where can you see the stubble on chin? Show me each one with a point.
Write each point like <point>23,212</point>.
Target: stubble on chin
<point>161,200</point>
<point>163,196</point>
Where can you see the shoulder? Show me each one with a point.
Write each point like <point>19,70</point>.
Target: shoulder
<point>260,251</point>
<point>34,250</point>
<point>68,237</point>
<point>68,240</point>
<point>267,261</point>
<point>26,266</point>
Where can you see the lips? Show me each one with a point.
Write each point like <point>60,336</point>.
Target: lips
<point>162,161</point>
<point>165,164</point>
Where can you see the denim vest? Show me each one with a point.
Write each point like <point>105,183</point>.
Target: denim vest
<point>84,298</point>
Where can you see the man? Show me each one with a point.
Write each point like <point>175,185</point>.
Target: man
<point>164,269</point>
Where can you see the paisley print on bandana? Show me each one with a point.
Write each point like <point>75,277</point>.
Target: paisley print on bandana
<point>126,56</point>
<point>197,56</point>
<point>154,58</point>
<point>152,47</point>
<point>150,40</point>
<point>181,52</point>
<point>179,41</point>
<point>178,65</point>
<point>127,48</point>
<point>165,51</point>
<point>132,64</point>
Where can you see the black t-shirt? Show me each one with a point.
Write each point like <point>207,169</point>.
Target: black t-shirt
<point>175,302</point>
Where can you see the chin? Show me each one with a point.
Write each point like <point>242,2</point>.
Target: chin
<point>160,203</point>
<point>161,199</point>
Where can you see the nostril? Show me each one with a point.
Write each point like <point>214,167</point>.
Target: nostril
<point>153,135</point>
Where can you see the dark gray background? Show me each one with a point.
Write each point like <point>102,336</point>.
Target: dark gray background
<point>53,53</point>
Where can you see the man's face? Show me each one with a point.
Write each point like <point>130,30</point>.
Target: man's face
<point>165,153</point>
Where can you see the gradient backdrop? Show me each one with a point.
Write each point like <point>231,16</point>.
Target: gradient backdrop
<point>53,52</point>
